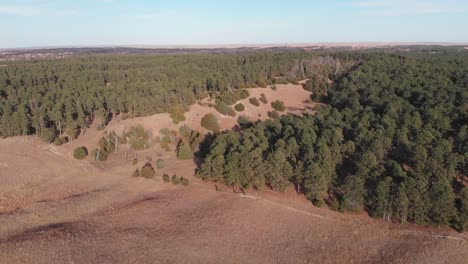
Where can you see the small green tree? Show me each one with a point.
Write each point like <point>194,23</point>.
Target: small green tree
<point>210,122</point>
<point>184,152</point>
<point>80,153</point>
<point>160,164</point>
<point>175,180</point>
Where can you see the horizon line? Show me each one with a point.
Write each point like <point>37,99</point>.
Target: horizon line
<point>363,44</point>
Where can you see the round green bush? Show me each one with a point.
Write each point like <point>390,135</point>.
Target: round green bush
<point>239,107</point>
<point>210,122</point>
<point>175,180</point>
<point>160,164</point>
<point>80,153</point>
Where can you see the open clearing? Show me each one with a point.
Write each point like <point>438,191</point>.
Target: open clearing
<point>55,209</point>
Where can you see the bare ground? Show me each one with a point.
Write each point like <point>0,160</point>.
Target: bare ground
<point>54,209</point>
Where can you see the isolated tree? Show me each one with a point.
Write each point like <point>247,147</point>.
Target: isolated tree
<point>210,122</point>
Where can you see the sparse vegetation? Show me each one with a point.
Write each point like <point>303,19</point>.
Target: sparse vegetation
<point>136,173</point>
<point>80,153</point>
<point>263,99</point>
<point>278,105</point>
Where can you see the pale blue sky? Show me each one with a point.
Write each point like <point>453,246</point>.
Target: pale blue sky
<point>28,23</point>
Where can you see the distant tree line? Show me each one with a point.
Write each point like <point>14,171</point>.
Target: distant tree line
<point>62,97</point>
<point>393,142</point>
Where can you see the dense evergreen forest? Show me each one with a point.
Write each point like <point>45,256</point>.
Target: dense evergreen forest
<point>392,141</point>
<point>55,97</point>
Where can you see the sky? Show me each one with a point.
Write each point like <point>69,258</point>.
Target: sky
<point>36,23</point>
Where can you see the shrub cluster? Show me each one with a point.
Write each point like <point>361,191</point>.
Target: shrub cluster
<point>80,153</point>
<point>278,105</point>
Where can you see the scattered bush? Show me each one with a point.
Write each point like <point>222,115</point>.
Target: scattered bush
<point>274,87</point>
<point>177,115</point>
<point>134,161</point>
<point>60,141</point>
<point>278,105</point>
<point>184,152</point>
<point>254,101</point>
<point>80,153</point>
<point>160,164</point>
<point>165,131</point>
<point>48,134</point>
<point>263,99</point>
<point>273,114</point>
<point>184,181</point>
<point>262,84</point>
<point>175,180</point>
<point>210,122</point>
<point>239,107</point>
<point>185,131</point>
<point>233,97</point>
<point>139,138</point>
<point>224,109</point>
<point>195,140</point>
<point>166,177</point>
<point>165,146</point>
<point>136,173</point>
<point>147,171</point>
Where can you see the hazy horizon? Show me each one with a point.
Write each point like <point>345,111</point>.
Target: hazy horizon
<point>53,23</point>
